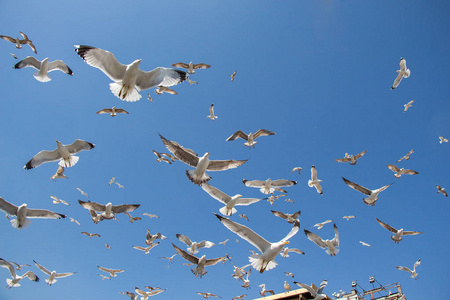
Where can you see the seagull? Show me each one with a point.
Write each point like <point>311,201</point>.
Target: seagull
<point>286,286</point>
<point>82,193</point>
<point>161,89</point>
<point>413,272</point>
<point>320,225</point>
<point>299,169</point>
<point>273,198</point>
<point>314,181</point>
<point>268,186</point>
<point>290,218</point>
<point>211,113</point>
<point>442,190</point>
<point>51,280</point>
<point>230,202</point>
<point>243,216</point>
<point>63,153</point>
<point>146,249</point>
<point>59,174</point>
<point>14,282</point>
<point>402,73</point>
<point>399,172</point>
<point>201,262</point>
<point>289,200</point>
<point>238,272</point>
<point>365,244</point>
<point>13,55</point>
<point>22,213</point>
<point>224,242</point>
<point>107,246</point>
<point>169,258</point>
<point>20,42</point>
<point>56,200</point>
<point>111,181</point>
<point>250,138</point>
<point>289,274</point>
<point>132,296</point>
<point>351,158</point>
<point>233,75</point>
<point>109,211</point>
<point>207,295</point>
<point>264,291</point>
<point>201,164</point>
<point>145,295</point>
<point>407,156</point>
<point>348,217</point>
<point>128,79</point>
<point>113,111</point>
<point>241,297</point>
<point>161,158</point>
<point>286,250</point>
<point>150,238</point>
<point>91,234</point>
<point>43,67</point>
<point>330,244</point>
<point>119,185</point>
<point>104,277</point>
<point>74,221</point>
<point>373,194</point>
<point>19,267</point>
<point>132,219</point>
<point>112,272</point>
<point>442,140</point>
<point>318,295</point>
<point>149,98</point>
<point>246,281</point>
<point>95,217</point>
<point>398,233</point>
<point>265,260</point>
<point>408,105</point>
<point>150,215</point>
<point>193,247</point>
<point>191,67</point>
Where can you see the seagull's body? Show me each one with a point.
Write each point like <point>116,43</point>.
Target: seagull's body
<point>14,282</point>
<point>290,218</point>
<point>43,67</point>
<point>56,200</point>
<point>112,111</point>
<point>401,171</point>
<point>406,157</point>
<point>128,79</point>
<point>191,66</point>
<point>318,295</point>
<point>442,190</point>
<point>193,247</point>
<point>408,105</point>
<point>109,211</point>
<point>268,186</point>
<point>373,194</point>
<point>413,272</point>
<point>398,233</point>
<point>320,225</point>
<point>351,158</point>
<point>52,274</point>
<point>146,250</point>
<point>63,153</point>
<point>314,182</point>
<point>112,272</point>
<point>20,42</point>
<point>265,260</point>
<point>59,173</point>
<point>286,250</point>
<point>250,138</point>
<point>324,244</point>
<point>286,286</point>
<point>211,113</point>
<point>402,73</point>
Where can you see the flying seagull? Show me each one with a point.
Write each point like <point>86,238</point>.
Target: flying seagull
<point>324,244</point>
<point>150,238</point>
<point>169,258</point>
<point>233,75</point>
<point>43,67</point>
<point>18,266</point>
<point>442,190</point>
<point>318,295</point>
<point>20,42</point>
<point>320,225</point>
<point>299,169</point>
<point>268,186</point>
<point>146,249</point>
<point>191,67</point>
<point>22,213</point>
<point>286,250</point>
<point>207,295</point>
<point>263,290</point>
<point>373,194</point>
<point>129,80</point>
<point>201,164</point>
<point>442,140</point>
<point>201,262</point>
<point>365,244</point>
<point>14,282</point>
<point>211,113</point>
<point>150,215</point>
<point>63,153</point>
<point>408,105</point>
<point>193,247</point>
<point>112,111</point>
<point>314,182</point>
<point>162,89</point>
<point>265,260</point>
<point>161,158</point>
<point>90,235</point>
<point>230,202</point>
<point>56,200</point>
<point>351,158</point>
<point>398,233</point>
<point>348,217</point>
<point>82,193</point>
<point>109,211</point>
<point>51,280</point>
<point>250,138</point>
<point>402,73</point>
<point>413,272</point>
<point>74,221</point>
<point>144,295</point>
<point>401,171</point>
<point>406,157</point>
<point>132,219</point>
<point>112,272</point>
<point>290,218</point>
<point>59,174</point>
<point>13,55</point>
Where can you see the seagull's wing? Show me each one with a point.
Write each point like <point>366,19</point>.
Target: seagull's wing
<point>246,201</point>
<point>180,65</point>
<point>254,183</point>
<point>322,286</point>
<point>393,168</point>
<point>283,183</point>
<point>237,134</point>
<point>8,38</point>
<point>403,65</point>
<point>417,263</point>
<point>42,268</point>
<point>185,156</point>
<point>361,154</point>
<point>388,227</point>
<point>262,132</point>
<point>404,269</point>
<point>104,111</point>
<point>159,77</point>
<point>279,214</point>
<point>296,250</point>
<point>61,275</point>
<point>213,261</point>
<point>315,238</point>
<point>216,193</point>
<point>205,244</point>
<point>59,65</point>
<point>384,187</point>
<point>29,61</point>
<point>307,287</point>
<point>313,173</point>
<point>245,233</point>
<point>411,232</point>
<point>189,257</point>
<point>343,160</point>
<point>220,165</point>
<point>43,214</point>
<point>103,60</point>
<point>357,187</point>
<point>139,248</point>
<point>78,146</point>
<point>104,269</point>
<point>335,240</point>
<point>124,208</point>
<point>8,265</point>
<point>184,239</point>
<point>121,111</point>
<point>7,207</point>
<point>201,66</point>
<point>293,231</point>
<point>409,172</point>
<point>92,205</point>
<point>42,157</point>
<point>397,81</point>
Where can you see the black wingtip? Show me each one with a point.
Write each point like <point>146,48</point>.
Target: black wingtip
<point>28,166</point>
<point>62,216</point>
<point>182,75</point>
<point>70,72</point>
<point>92,145</point>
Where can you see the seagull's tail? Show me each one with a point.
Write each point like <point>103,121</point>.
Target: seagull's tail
<point>50,282</point>
<point>69,162</point>
<point>260,264</point>
<point>336,251</point>
<point>41,78</point>
<point>126,93</point>
<point>15,223</point>
<point>10,283</point>
<point>197,271</point>
<point>196,178</point>
<point>227,212</point>
<point>269,191</point>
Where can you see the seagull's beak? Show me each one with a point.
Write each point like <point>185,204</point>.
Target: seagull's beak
<point>286,242</point>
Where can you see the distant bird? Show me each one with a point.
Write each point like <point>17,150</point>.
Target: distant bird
<point>144,295</point>
<point>398,233</point>
<point>14,282</point>
<point>314,182</point>
<point>442,140</point>
<point>224,242</point>
<point>250,138</point>
<point>408,105</point>
<point>160,158</point>
<point>201,164</point>
<point>401,171</point>
<point>104,277</point>
<point>193,247</point>
<point>18,266</point>
<point>112,272</point>
<point>132,219</point>
<point>132,296</point>
<point>365,244</point>
<point>318,295</point>
<point>149,98</point>
<point>243,216</point>
<point>111,181</point>
<point>207,295</point>
<point>63,153</point>
<point>75,221</point>
<point>351,158</point>
<point>289,200</point>
<point>95,217</point>
<point>191,81</point>
<point>373,194</point>
<point>119,185</point>
<point>23,214</point>
<point>90,235</point>
<point>129,80</point>
<point>286,250</point>
<point>246,281</point>
<point>290,218</point>
<point>273,198</point>
<point>229,201</point>
<point>43,67</point>
<point>169,258</point>
<point>56,200</point>
<point>51,280</point>
<point>107,246</point>
<point>233,75</point>
<point>264,291</point>
<point>59,174</point>
<point>320,225</point>
<point>201,262</point>
<point>402,73</point>
<point>265,260</point>
<point>109,211</point>
<point>348,217</point>
<point>20,42</point>
<point>146,249</point>
<point>238,272</point>
<point>150,238</point>
<point>442,190</point>
<point>150,215</point>
<point>289,274</point>
<point>299,169</point>
<point>413,272</point>
<point>162,89</point>
<point>112,111</point>
<point>286,286</point>
<point>268,186</point>
<point>82,192</point>
<point>406,157</point>
<point>211,113</point>
<point>13,55</point>
<point>241,297</point>
<point>324,244</point>
<point>191,67</point>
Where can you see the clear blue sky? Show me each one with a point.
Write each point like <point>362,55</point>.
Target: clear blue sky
<point>318,73</point>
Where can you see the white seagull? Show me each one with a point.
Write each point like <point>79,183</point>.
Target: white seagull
<point>324,244</point>
<point>290,218</point>
<point>144,295</point>
<point>286,250</point>
<point>43,67</point>
<point>320,225</point>
<point>318,295</point>
<point>365,244</point>
<point>408,105</point>
<point>109,211</point>
<point>314,182</point>
<point>250,138</point>
<point>406,157</point>
<point>413,272</point>
<point>20,42</point>
<point>442,190</point>
<point>265,260</point>
<point>112,111</point>
<point>191,67</point>
<point>22,213</point>
<point>401,171</point>
<point>112,272</point>
<point>211,113</point>
<point>193,247</point>
<point>268,186</point>
<point>63,153</point>
<point>398,233</point>
<point>128,79</point>
<point>373,194</point>
<point>351,158</point>
<point>442,140</point>
<point>150,238</point>
<point>402,73</point>
<point>56,200</point>
<point>59,174</point>
<point>348,217</point>
<point>51,280</point>
<point>162,89</point>
<point>146,249</point>
<point>14,282</point>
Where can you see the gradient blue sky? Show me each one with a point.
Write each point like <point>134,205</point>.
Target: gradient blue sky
<point>318,73</point>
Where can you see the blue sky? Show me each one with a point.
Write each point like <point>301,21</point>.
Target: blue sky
<point>318,73</point>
